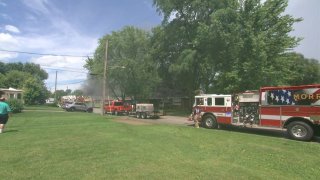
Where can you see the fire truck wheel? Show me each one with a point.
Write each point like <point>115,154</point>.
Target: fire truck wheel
<point>299,130</point>
<point>138,115</point>
<point>143,115</point>
<point>209,121</point>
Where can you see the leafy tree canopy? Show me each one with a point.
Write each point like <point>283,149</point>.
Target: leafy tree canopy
<point>223,46</point>
<point>212,46</point>
<point>28,77</point>
<point>130,69</point>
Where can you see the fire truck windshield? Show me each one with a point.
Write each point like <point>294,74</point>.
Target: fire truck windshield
<point>199,101</point>
<point>118,103</point>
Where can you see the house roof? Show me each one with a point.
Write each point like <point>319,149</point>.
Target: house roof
<point>11,90</point>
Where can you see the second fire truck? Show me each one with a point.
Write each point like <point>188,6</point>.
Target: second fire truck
<point>295,108</point>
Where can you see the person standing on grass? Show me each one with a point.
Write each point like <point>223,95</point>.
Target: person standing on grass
<point>4,113</point>
<point>196,116</point>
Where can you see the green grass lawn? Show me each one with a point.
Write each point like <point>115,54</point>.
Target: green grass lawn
<point>62,145</point>
<point>42,107</point>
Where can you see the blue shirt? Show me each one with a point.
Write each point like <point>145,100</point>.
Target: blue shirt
<point>4,108</point>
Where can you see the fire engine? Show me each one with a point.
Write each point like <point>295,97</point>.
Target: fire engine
<point>116,107</point>
<point>294,108</point>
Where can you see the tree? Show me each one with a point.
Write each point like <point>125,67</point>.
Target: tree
<point>301,70</point>
<point>2,80</point>
<point>59,93</point>
<point>14,66</point>
<point>2,68</point>
<point>35,70</point>
<point>15,79</point>
<point>35,91</point>
<point>77,92</point>
<point>223,46</point>
<point>184,61</point>
<point>130,69</point>
<point>31,68</point>
<point>28,77</point>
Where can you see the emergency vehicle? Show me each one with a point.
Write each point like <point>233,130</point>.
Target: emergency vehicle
<point>116,107</point>
<point>294,108</point>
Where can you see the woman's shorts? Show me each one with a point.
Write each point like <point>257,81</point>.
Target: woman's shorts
<point>4,118</point>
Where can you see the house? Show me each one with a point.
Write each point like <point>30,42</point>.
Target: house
<point>50,101</point>
<point>11,93</point>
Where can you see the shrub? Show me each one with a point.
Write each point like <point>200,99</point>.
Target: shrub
<point>16,105</point>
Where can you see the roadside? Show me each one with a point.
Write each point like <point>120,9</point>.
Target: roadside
<point>179,120</point>
<point>174,120</point>
<point>42,110</point>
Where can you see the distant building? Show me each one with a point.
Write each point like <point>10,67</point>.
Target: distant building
<point>50,100</point>
<point>11,93</point>
<point>70,98</point>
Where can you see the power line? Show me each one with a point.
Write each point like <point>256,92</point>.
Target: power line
<point>71,83</point>
<point>59,69</point>
<point>43,54</point>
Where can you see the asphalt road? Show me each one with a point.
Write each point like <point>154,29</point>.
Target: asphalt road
<point>175,120</point>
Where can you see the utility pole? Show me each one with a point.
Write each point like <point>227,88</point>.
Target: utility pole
<point>55,87</point>
<point>104,79</point>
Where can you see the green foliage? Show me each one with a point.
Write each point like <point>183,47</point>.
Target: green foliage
<point>2,80</point>
<point>220,46</point>
<point>28,77</point>
<point>225,46</point>
<point>59,93</point>
<point>30,68</point>
<point>16,79</point>
<point>130,69</point>
<point>78,92</point>
<point>35,92</point>
<point>301,70</point>
<point>36,71</point>
<point>16,105</point>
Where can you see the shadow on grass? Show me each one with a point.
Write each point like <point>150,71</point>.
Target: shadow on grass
<point>261,132</point>
<point>11,131</point>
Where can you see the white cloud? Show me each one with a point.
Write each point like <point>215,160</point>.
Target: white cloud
<point>70,71</point>
<point>30,17</point>
<point>38,6</point>
<point>60,61</point>
<point>5,56</point>
<point>11,28</point>
<point>7,38</point>
<point>173,16</point>
<point>7,41</point>
<point>53,44</point>
<point>5,16</point>
<point>3,4</point>
<point>61,39</point>
<point>307,29</point>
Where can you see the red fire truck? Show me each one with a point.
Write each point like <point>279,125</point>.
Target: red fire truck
<point>295,108</point>
<point>116,107</point>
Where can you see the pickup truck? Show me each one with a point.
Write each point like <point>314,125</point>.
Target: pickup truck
<point>116,107</point>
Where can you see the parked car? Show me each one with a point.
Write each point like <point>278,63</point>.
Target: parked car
<point>78,106</point>
<point>64,104</point>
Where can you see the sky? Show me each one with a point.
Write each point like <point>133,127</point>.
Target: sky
<point>73,27</point>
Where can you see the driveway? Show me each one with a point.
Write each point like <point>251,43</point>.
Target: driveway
<point>175,120</point>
